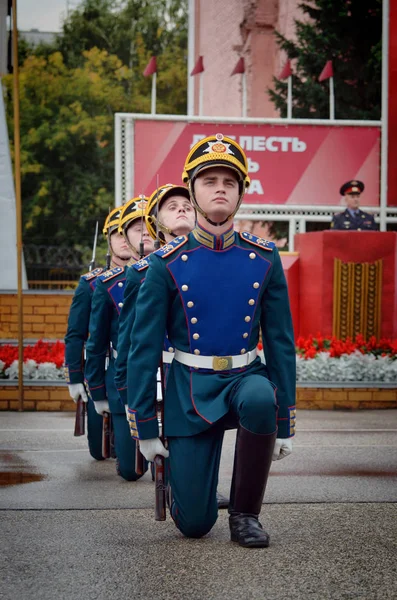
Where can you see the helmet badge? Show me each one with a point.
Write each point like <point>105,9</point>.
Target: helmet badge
<point>219,148</point>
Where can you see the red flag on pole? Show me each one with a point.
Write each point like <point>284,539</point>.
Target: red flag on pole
<point>198,67</point>
<point>239,68</point>
<point>327,72</point>
<point>287,71</point>
<point>151,67</point>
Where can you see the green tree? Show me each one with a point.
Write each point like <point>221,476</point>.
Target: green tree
<point>69,93</point>
<point>66,143</point>
<point>133,30</point>
<point>348,33</point>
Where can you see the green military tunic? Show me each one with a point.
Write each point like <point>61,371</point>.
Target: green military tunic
<point>106,305</point>
<point>212,295</point>
<point>133,282</point>
<point>75,339</point>
<point>135,277</point>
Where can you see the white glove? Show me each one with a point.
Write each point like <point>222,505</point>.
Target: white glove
<point>282,448</point>
<point>126,410</point>
<point>101,406</point>
<point>76,390</point>
<point>150,448</point>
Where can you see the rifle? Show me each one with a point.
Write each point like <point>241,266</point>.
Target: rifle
<point>157,240</point>
<point>112,446</point>
<point>108,253</point>
<point>81,409</point>
<point>106,435</point>
<point>139,458</point>
<point>79,423</point>
<point>160,486</point>
<point>92,262</point>
<point>159,468</point>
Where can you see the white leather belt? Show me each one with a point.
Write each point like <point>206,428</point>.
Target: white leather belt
<point>215,363</point>
<point>167,356</point>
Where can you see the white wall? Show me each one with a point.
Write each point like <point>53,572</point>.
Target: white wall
<point>8,247</point>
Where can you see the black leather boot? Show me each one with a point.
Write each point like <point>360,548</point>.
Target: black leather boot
<point>252,460</point>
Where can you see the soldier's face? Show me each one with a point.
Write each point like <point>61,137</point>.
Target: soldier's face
<point>119,246</point>
<point>137,233</point>
<point>353,201</point>
<point>217,192</point>
<point>177,213</point>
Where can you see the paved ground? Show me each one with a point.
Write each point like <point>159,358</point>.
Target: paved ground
<point>78,531</point>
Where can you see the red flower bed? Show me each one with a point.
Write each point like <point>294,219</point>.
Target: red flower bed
<point>310,346</point>
<point>41,352</point>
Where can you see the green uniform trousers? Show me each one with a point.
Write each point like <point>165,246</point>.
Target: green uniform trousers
<point>193,463</point>
<point>124,445</point>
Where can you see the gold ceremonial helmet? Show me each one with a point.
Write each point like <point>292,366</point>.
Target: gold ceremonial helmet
<point>133,209</point>
<point>216,151</point>
<point>112,221</point>
<point>153,224</point>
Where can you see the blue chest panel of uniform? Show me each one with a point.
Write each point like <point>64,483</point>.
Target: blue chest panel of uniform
<point>116,292</point>
<point>219,292</point>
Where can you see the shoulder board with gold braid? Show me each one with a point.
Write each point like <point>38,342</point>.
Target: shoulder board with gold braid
<point>140,265</point>
<point>92,274</point>
<point>257,241</point>
<point>170,247</point>
<point>110,273</point>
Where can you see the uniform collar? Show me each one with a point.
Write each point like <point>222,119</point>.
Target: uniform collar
<point>352,212</point>
<point>215,242</point>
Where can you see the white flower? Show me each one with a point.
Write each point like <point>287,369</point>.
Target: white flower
<point>349,367</point>
<point>29,367</point>
<point>47,371</point>
<point>31,370</point>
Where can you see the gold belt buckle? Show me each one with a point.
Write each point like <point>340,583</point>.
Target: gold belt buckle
<point>222,363</point>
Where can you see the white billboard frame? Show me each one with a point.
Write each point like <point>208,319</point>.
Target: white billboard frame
<point>297,216</point>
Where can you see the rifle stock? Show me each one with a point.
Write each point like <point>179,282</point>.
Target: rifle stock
<point>112,446</point>
<point>139,460</point>
<point>106,434</point>
<point>79,423</point>
<point>160,512</point>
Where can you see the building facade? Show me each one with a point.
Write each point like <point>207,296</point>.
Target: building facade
<point>222,32</point>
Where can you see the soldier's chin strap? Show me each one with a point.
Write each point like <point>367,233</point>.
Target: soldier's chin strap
<point>123,260</point>
<point>134,250</point>
<point>204,214</point>
<point>161,229</point>
<point>120,258</point>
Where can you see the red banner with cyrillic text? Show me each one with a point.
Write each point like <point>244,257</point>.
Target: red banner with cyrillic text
<point>288,164</point>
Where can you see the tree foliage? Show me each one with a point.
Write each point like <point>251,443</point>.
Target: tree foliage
<point>69,93</point>
<point>348,33</point>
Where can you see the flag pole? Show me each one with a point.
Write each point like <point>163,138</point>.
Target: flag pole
<point>289,98</point>
<point>201,96</point>
<point>17,175</point>
<point>331,99</point>
<point>199,70</point>
<point>286,73</point>
<point>244,95</point>
<point>386,73</point>
<point>154,83</point>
